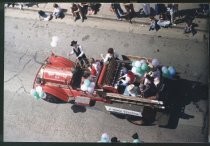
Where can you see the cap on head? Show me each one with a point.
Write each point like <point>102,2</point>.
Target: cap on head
<point>73,43</point>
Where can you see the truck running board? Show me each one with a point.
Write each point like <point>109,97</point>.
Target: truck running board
<point>135,100</point>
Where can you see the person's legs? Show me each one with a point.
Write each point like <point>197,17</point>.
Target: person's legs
<point>118,7</point>
<point>117,13</point>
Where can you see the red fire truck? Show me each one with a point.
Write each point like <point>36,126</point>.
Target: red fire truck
<point>60,78</point>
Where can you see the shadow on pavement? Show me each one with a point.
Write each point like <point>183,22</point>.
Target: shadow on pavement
<point>78,108</point>
<point>178,94</point>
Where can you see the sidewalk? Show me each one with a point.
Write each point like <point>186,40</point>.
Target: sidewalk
<point>105,13</point>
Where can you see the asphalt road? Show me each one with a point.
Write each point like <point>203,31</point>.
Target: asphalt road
<point>27,44</point>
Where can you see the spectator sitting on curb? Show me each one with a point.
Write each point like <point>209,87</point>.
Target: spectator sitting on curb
<point>44,16</point>
<point>116,8</point>
<point>153,24</point>
<point>146,9</point>
<point>57,13</point>
<point>189,26</point>
<point>130,12</point>
<point>75,11</point>
<point>93,8</point>
<point>163,20</point>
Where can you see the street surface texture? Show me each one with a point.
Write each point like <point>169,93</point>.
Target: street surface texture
<point>27,44</point>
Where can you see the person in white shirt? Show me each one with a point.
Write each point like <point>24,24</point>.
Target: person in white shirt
<point>80,55</point>
<point>57,13</point>
<point>111,54</point>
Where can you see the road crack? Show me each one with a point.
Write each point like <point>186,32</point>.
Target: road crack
<point>22,86</point>
<point>35,59</point>
<point>23,55</point>
<point>25,65</point>
<point>11,78</point>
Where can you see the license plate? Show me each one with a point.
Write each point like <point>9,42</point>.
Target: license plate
<point>123,111</point>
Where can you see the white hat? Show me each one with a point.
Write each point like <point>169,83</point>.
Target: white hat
<point>130,87</point>
<point>156,81</point>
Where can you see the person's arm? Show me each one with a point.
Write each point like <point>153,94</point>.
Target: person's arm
<point>71,53</point>
<point>81,50</point>
<point>107,57</point>
<point>54,11</point>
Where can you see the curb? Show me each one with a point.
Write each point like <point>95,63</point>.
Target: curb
<point>108,18</point>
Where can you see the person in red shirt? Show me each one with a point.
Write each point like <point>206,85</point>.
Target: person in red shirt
<point>127,79</point>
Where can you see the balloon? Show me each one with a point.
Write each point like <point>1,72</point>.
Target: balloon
<point>163,69</point>
<point>155,62</point>
<point>138,69</point>
<point>53,44</point>
<point>144,67</point>
<point>92,84</point>
<point>143,61</point>
<point>137,64</point>
<point>166,73</point>
<point>36,95</point>
<point>87,82</point>
<point>134,70</point>
<point>55,39</point>
<point>171,70</point>
<point>83,87</point>
<point>39,89</point>
<point>105,137</point>
<point>90,89</point>
<point>133,63</point>
<point>32,92</point>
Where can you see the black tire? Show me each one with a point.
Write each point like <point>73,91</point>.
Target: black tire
<point>92,102</point>
<point>53,99</point>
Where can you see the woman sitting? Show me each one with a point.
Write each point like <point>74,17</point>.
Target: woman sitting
<point>163,20</point>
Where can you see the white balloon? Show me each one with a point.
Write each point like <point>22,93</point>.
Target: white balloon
<point>53,44</point>
<point>155,62</point>
<point>143,61</point>
<point>83,87</point>
<point>90,89</point>
<point>92,84</point>
<point>32,92</point>
<point>39,89</point>
<point>133,70</point>
<point>137,64</point>
<point>55,39</point>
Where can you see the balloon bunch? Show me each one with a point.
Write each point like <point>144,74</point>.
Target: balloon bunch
<point>54,41</point>
<point>169,72</point>
<point>88,86</point>
<point>38,93</point>
<point>140,67</point>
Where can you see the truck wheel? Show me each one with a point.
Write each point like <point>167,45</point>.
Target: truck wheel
<point>92,102</point>
<point>135,120</point>
<point>53,99</point>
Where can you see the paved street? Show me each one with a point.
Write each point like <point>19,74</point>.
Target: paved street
<point>27,44</point>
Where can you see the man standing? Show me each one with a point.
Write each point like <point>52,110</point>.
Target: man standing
<point>80,55</point>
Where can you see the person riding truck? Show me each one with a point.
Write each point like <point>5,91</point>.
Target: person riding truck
<point>77,49</point>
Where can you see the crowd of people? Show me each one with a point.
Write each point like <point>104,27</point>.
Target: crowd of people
<point>128,82</point>
<point>161,16</point>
